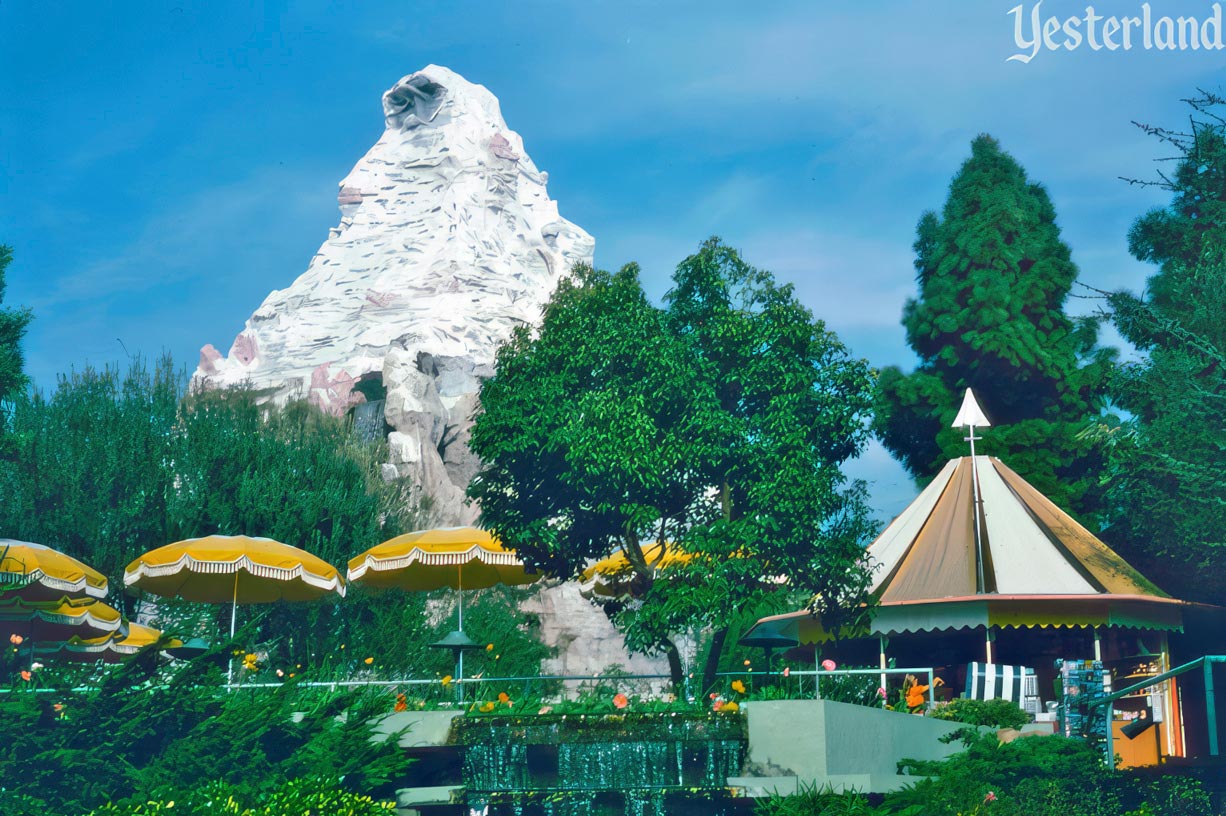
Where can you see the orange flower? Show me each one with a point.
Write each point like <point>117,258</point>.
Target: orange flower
<point>368,661</point>
<point>489,647</point>
<point>16,639</point>
<point>738,686</point>
<point>25,675</point>
<point>915,696</point>
<point>504,698</point>
<point>620,700</point>
<point>486,708</point>
<point>402,704</point>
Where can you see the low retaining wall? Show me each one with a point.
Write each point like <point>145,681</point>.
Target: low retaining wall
<point>820,742</point>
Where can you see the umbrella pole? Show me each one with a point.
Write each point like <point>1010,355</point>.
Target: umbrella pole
<point>233,614</point>
<point>460,653</point>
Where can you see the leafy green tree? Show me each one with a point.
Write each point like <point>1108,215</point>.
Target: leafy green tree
<point>716,425</point>
<point>90,473</point>
<point>1169,492</point>
<point>113,464</point>
<point>993,278</point>
<point>13,323</point>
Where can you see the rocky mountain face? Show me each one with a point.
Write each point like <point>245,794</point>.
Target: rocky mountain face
<point>447,240</point>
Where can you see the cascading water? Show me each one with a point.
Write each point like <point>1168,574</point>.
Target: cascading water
<point>601,766</point>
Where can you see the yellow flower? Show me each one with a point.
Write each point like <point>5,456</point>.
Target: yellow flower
<point>486,708</point>
<point>738,686</point>
<point>489,647</point>
<point>446,681</point>
<point>368,661</point>
<point>729,707</point>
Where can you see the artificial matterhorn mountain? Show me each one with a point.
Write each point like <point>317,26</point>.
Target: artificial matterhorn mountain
<point>447,240</point>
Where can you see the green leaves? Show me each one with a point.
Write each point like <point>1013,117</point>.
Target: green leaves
<point>717,424</point>
<point>993,277</point>
<point>13,323</point>
<point>1167,500</point>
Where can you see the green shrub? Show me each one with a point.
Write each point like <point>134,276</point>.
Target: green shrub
<point>300,796</point>
<point>992,713</point>
<point>149,728</point>
<point>310,796</point>
<point>815,801</point>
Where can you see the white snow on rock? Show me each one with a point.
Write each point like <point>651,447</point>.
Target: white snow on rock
<point>447,240</point>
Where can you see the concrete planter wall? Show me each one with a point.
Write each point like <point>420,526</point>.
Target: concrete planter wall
<point>838,744</point>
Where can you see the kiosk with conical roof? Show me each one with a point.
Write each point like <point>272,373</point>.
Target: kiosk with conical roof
<point>982,567</point>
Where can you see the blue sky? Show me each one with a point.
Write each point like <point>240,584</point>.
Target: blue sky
<point>165,165</point>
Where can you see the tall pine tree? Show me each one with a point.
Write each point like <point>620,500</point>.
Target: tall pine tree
<point>1168,498</point>
<point>994,276</point>
<point>13,323</point>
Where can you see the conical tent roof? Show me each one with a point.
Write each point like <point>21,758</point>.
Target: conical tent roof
<point>1029,546</point>
<point>1040,567</point>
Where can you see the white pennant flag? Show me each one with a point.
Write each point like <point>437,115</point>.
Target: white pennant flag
<point>970,414</point>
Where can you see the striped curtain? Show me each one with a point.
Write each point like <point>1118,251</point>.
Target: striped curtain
<point>990,681</point>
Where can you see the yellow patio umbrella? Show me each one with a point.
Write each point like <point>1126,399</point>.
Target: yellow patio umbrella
<point>233,569</point>
<point>38,573</point>
<point>59,620</point>
<point>457,557</point>
<point>110,648</point>
<point>615,576</point>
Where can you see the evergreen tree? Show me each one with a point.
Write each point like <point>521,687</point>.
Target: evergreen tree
<point>1168,499</point>
<point>993,278</point>
<point>13,323</point>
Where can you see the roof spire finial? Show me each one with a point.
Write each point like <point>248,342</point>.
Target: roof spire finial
<point>969,416</point>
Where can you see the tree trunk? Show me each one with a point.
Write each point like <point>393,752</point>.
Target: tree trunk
<point>675,672</point>
<point>712,667</point>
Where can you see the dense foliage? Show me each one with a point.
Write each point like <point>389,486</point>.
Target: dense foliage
<point>1037,776</point>
<point>994,713</point>
<point>306,796</point>
<point>13,323</point>
<point>716,425</point>
<point>993,278</point>
<point>113,464</point>
<point>110,465</point>
<point>1169,497</point>
<point>151,733</point>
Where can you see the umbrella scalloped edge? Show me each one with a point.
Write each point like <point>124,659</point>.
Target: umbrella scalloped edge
<point>243,562</point>
<point>81,585</point>
<point>435,559</point>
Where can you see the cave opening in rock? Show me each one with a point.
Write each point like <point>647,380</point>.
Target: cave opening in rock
<point>369,421</point>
